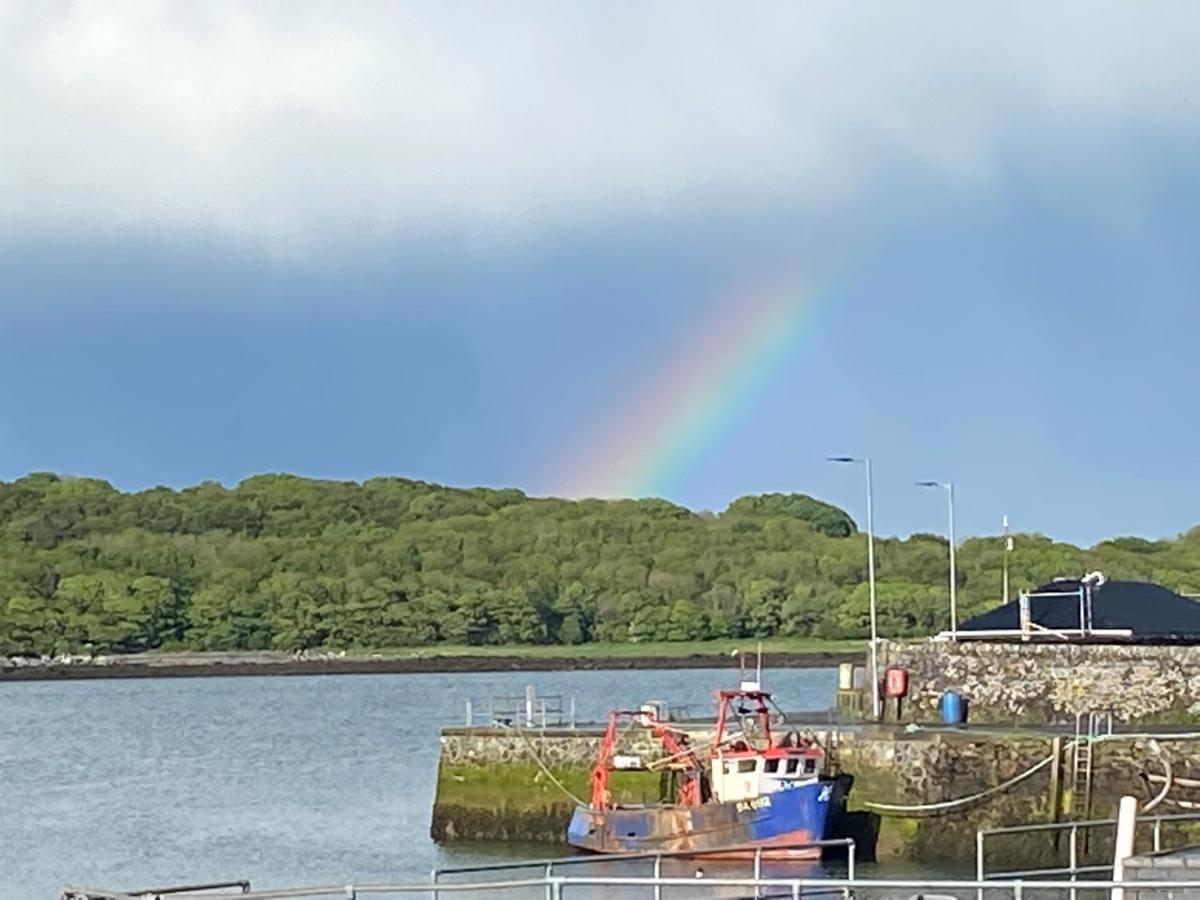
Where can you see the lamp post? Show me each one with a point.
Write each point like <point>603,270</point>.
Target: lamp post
<point>949,486</point>
<point>874,655</point>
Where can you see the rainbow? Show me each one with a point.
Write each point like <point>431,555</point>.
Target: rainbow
<point>649,449</point>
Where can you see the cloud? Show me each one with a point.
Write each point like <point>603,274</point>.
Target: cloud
<point>283,125</point>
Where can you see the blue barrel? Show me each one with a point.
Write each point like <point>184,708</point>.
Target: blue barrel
<point>953,708</point>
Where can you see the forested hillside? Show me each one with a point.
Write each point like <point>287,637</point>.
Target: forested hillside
<point>289,563</point>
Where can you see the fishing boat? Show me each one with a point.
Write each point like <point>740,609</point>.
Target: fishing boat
<point>744,791</point>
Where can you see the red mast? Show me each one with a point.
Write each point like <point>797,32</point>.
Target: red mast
<point>761,713</point>
<point>676,748</point>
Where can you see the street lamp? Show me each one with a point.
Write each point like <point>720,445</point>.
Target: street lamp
<point>949,486</point>
<point>875,704</point>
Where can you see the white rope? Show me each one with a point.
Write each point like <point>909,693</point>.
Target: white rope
<point>1177,779</point>
<point>541,765</point>
<point>963,801</point>
<point>1166,777</point>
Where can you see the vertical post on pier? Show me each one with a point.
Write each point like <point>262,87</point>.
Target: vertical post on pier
<point>1127,813</point>
<point>529,697</point>
<point>470,716</point>
<point>979,867</point>
<point>1073,859</point>
<point>1056,804</point>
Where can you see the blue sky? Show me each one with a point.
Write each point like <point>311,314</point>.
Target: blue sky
<point>455,245</point>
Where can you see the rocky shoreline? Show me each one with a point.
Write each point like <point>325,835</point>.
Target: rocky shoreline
<point>250,663</point>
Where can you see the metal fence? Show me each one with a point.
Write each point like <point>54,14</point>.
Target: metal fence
<point>1078,862</point>
<point>549,867</point>
<point>528,710</point>
<point>551,879</point>
<point>559,887</point>
<point>1076,834</point>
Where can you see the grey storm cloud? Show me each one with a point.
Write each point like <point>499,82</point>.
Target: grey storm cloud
<point>273,124</point>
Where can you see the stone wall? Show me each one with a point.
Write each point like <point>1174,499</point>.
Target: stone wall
<point>921,771</point>
<point>555,747</point>
<point>935,769</point>
<point>1051,682</point>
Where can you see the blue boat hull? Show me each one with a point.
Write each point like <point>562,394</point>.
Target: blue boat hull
<point>774,822</point>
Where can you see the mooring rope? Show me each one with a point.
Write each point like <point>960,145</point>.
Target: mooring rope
<point>1167,777</point>
<point>902,809</point>
<point>963,801</point>
<point>541,765</point>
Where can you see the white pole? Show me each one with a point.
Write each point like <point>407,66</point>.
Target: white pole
<point>953,574</point>
<point>874,638</point>
<point>1007,550</point>
<point>875,702</point>
<point>1126,826</point>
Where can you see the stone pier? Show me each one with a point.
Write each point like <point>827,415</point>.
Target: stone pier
<point>921,790</point>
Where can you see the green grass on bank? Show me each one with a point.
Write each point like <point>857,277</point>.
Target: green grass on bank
<point>670,649</point>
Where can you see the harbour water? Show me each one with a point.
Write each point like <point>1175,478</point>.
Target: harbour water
<point>281,780</point>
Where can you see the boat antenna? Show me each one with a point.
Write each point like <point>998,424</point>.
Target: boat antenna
<point>758,674</point>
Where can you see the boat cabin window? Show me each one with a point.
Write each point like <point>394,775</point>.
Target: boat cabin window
<point>810,766</point>
<point>746,765</point>
<point>792,765</point>
<point>772,765</point>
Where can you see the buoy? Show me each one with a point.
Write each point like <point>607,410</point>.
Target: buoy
<point>895,682</point>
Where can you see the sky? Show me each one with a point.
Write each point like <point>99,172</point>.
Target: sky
<point>685,250</point>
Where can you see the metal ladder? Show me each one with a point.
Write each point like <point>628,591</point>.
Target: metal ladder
<point>1088,727</point>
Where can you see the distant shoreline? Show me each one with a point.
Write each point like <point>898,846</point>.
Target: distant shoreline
<point>195,665</point>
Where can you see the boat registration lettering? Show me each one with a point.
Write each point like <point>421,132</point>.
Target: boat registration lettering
<point>763,802</point>
<point>826,793</point>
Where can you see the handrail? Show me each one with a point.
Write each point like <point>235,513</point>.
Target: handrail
<point>1085,823</point>
<point>556,861</point>
<point>206,889</point>
<point>554,887</point>
<point>1073,868</point>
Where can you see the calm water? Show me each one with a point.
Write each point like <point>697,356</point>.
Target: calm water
<point>290,780</point>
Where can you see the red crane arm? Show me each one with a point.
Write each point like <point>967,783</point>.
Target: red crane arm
<point>601,796</point>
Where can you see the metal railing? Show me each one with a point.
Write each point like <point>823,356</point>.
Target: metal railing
<point>1074,868</point>
<point>657,857</point>
<point>209,889</point>
<point>528,710</point>
<point>559,886</point>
